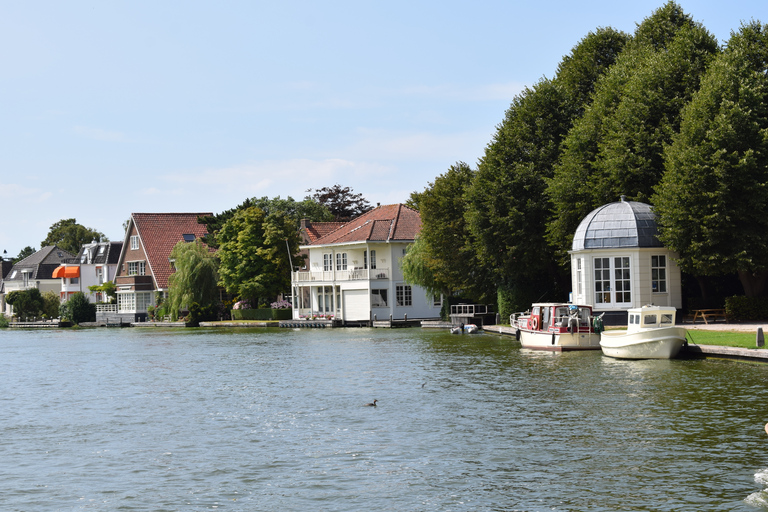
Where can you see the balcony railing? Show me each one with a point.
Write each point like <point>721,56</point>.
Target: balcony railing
<point>356,274</point>
<point>106,308</point>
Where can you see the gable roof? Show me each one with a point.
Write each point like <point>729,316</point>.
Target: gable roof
<point>96,256</point>
<point>42,263</point>
<point>159,233</point>
<point>394,222</point>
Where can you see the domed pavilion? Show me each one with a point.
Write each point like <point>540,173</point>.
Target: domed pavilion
<point>617,261</point>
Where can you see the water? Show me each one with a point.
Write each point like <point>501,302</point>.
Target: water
<point>145,419</point>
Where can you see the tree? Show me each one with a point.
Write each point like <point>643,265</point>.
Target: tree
<point>70,236</point>
<point>508,208</point>
<point>108,288</point>
<point>26,303</point>
<point>78,309</point>
<point>343,204</point>
<point>25,252</point>
<point>296,210</point>
<point>51,303</point>
<point>195,279</point>
<point>255,250</point>
<point>616,147</point>
<point>443,260</point>
<point>712,203</point>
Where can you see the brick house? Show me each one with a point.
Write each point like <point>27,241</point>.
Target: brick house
<point>144,265</point>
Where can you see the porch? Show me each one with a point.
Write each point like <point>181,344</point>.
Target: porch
<point>329,276</point>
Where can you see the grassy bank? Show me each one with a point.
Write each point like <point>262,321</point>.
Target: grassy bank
<point>723,338</point>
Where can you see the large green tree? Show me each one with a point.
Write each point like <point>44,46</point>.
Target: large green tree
<point>712,203</point>
<point>195,279</point>
<point>70,236</point>
<point>443,259</point>
<point>256,251</point>
<point>296,210</point>
<point>616,147</point>
<point>508,208</point>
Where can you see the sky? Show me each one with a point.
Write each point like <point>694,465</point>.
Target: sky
<point>113,107</point>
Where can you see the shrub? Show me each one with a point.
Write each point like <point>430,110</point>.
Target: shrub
<point>3,321</point>
<point>740,308</point>
<point>77,309</point>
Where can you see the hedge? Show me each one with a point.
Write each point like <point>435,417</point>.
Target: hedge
<point>740,308</point>
<point>261,314</point>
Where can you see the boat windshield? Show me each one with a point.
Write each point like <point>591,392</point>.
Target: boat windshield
<point>666,318</point>
<point>649,320</point>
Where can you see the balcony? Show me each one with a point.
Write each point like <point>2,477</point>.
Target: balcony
<point>329,276</point>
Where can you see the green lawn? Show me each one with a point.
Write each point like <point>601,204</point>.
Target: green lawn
<point>723,338</point>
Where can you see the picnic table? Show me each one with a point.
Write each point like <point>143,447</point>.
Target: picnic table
<point>709,314</point>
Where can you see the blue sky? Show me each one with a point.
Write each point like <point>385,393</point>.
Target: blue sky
<point>114,107</point>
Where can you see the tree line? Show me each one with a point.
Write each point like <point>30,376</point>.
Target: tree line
<point>664,116</point>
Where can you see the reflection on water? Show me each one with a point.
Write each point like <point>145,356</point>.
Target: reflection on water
<point>274,419</point>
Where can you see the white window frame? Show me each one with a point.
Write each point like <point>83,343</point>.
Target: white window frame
<point>137,268</point>
<point>134,242</point>
<point>327,262</point>
<point>658,273</point>
<point>381,293</point>
<point>341,261</point>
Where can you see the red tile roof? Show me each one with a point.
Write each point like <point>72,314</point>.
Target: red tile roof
<point>316,230</point>
<point>395,222</point>
<point>159,233</point>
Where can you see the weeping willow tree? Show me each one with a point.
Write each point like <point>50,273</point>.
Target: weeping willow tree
<point>194,281</point>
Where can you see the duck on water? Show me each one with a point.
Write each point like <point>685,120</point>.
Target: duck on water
<point>372,404</point>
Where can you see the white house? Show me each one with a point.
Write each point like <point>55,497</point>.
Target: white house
<point>617,261</point>
<point>95,264</point>
<point>353,272</point>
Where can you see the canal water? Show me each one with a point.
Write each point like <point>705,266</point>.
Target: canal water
<point>204,419</point>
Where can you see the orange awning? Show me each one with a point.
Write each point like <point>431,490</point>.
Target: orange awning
<point>66,272</point>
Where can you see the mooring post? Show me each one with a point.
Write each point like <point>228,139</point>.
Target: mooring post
<point>760,337</point>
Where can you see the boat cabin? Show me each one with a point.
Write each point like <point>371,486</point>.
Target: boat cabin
<point>650,317</point>
<point>560,318</point>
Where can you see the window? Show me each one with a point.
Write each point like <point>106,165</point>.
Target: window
<point>25,277</point>
<point>100,275</point>
<point>403,295</point>
<point>341,261</point>
<point>379,298</point>
<point>134,301</point>
<point>74,280</point>
<point>659,274</point>
<point>327,262</point>
<point>613,280</point>
<point>136,268</point>
<point>579,277</point>
<point>188,237</point>
<point>134,242</point>
<point>622,275</point>
<point>437,301</point>
<point>373,259</point>
<point>602,280</point>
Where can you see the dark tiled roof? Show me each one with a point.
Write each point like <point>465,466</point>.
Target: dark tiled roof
<point>625,224</point>
<point>42,263</point>
<point>110,254</point>
<point>395,222</point>
<point>160,232</point>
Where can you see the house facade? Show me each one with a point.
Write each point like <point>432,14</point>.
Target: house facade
<point>353,273</point>
<point>36,271</point>
<point>95,264</point>
<point>618,262</point>
<point>144,264</point>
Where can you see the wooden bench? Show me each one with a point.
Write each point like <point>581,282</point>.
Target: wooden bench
<point>709,314</point>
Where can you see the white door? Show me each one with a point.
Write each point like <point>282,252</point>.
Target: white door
<point>356,304</point>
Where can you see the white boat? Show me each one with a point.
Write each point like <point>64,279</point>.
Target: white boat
<point>651,333</point>
<point>471,329</point>
<point>556,327</point>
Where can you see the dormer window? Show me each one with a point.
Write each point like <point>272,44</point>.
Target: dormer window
<point>188,237</point>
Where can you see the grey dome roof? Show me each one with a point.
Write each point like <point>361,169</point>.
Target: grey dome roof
<point>625,224</point>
